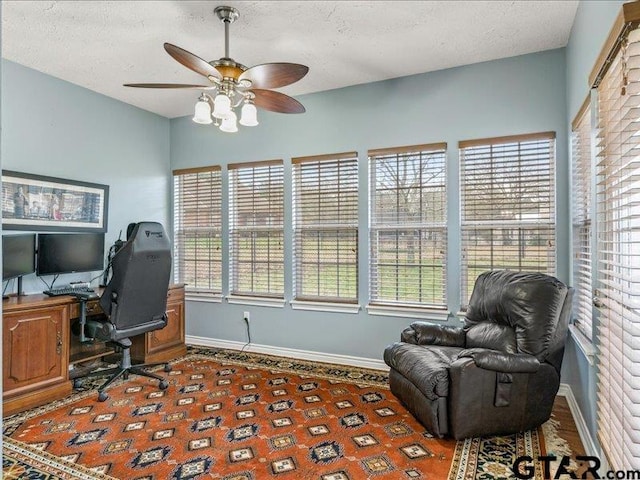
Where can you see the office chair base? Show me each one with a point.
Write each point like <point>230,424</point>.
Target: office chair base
<point>124,372</point>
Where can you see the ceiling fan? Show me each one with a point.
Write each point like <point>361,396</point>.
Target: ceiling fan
<point>234,84</point>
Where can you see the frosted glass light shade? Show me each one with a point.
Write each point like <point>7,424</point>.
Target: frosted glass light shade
<point>221,106</point>
<point>249,115</point>
<point>202,113</point>
<point>229,123</point>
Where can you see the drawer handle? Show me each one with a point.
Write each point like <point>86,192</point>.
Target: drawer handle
<point>59,342</point>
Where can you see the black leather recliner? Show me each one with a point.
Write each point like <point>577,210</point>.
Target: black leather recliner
<point>496,375</point>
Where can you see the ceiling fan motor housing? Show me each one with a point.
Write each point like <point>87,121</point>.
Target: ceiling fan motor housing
<point>228,68</point>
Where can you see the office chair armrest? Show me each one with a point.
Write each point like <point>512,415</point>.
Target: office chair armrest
<point>423,333</point>
<point>501,362</point>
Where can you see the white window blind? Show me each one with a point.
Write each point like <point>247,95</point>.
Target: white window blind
<point>618,203</point>
<point>325,208</point>
<point>581,206</point>
<point>408,226</point>
<point>197,221</point>
<point>256,228</point>
<point>507,194</point>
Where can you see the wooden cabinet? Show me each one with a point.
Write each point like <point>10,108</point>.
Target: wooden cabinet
<point>167,343</point>
<point>35,355</point>
<point>38,348</point>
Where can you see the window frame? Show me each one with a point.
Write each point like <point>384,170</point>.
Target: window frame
<point>469,228</point>
<point>275,176</point>
<point>582,224</point>
<point>380,222</point>
<point>315,205</point>
<point>618,320</point>
<point>209,199</point>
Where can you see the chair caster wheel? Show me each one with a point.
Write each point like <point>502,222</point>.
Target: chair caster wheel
<point>125,376</point>
<point>77,383</point>
<point>167,368</point>
<point>164,385</point>
<point>102,396</point>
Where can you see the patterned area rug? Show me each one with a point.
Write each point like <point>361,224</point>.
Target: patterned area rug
<point>242,416</point>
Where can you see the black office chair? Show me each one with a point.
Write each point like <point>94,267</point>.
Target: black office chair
<point>135,300</point>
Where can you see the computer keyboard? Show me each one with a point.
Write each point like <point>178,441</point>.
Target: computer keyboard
<point>68,290</point>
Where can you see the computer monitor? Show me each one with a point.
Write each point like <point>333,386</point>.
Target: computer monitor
<point>18,255</point>
<point>69,253</point>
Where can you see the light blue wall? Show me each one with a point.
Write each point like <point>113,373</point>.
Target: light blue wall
<point>517,95</point>
<point>591,26</point>
<point>52,127</point>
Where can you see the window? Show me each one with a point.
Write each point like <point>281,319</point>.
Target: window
<point>408,225</point>
<point>581,231</point>
<point>325,213</point>
<point>197,220</point>
<point>618,206</point>
<point>507,213</point>
<point>256,223</point>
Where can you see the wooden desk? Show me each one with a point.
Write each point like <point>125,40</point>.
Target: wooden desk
<point>38,348</point>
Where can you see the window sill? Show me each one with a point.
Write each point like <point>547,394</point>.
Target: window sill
<point>203,297</point>
<point>256,301</point>
<point>584,344</point>
<point>462,315</point>
<point>325,306</point>
<point>409,312</point>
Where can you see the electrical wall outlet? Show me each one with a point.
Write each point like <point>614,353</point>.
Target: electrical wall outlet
<point>247,317</point>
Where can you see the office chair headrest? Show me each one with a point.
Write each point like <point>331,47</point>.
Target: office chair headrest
<point>130,230</point>
<point>143,232</point>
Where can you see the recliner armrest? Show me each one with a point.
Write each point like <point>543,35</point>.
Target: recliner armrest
<point>423,333</point>
<point>502,362</point>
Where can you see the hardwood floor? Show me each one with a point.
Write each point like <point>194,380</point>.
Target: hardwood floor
<point>568,430</point>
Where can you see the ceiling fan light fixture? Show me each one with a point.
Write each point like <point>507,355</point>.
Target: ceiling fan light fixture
<point>232,84</point>
<point>221,106</point>
<point>249,115</point>
<point>229,123</point>
<point>202,112</point>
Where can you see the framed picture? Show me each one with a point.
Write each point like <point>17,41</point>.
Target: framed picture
<point>35,202</point>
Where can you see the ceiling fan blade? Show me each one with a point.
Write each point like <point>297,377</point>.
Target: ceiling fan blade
<point>276,102</point>
<point>166,85</point>
<point>274,75</point>
<point>192,61</point>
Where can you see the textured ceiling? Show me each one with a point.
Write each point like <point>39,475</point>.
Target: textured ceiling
<point>102,44</point>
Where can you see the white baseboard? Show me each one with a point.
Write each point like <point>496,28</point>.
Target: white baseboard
<point>289,352</point>
<point>581,425</point>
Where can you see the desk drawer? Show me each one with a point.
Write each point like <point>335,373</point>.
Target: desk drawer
<point>175,295</point>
